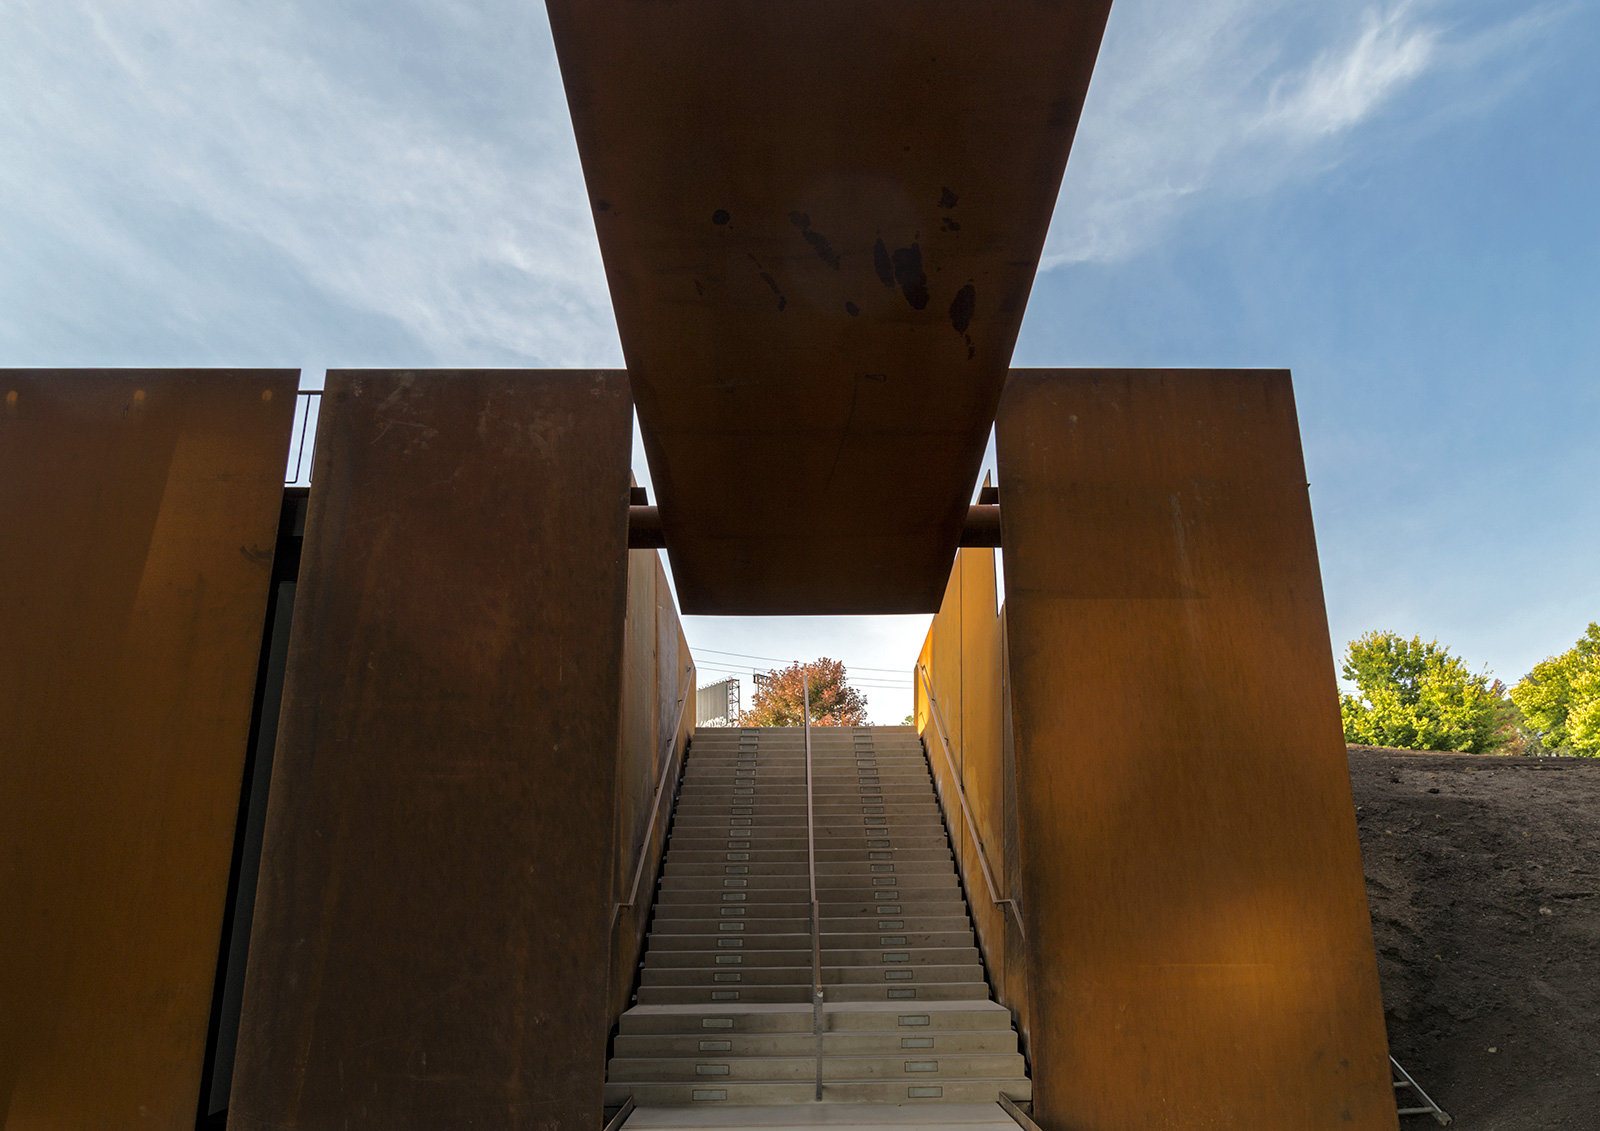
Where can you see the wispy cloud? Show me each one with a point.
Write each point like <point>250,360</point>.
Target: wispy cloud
<point>1344,86</point>
<point>1218,98</point>
<point>334,148</point>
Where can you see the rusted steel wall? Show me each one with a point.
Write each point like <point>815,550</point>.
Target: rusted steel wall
<point>1200,953</point>
<point>429,946</point>
<point>963,656</point>
<point>138,514</point>
<point>658,682</point>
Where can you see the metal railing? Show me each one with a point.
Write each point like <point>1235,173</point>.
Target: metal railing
<point>966,812</point>
<point>303,438</point>
<point>811,871</point>
<point>667,777</point>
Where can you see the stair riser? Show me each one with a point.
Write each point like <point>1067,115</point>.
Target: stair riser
<point>909,1067</point>
<point>801,994</point>
<point>982,1042</point>
<point>828,840</point>
<point>682,1095</point>
<point>800,975</point>
<point>697,927</point>
<point>684,858</point>
<point>913,1020</point>
<point>801,941</point>
<point>859,884</point>
<point>753,957</point>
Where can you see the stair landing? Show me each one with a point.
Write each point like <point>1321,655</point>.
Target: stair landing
<point>834,1116</point>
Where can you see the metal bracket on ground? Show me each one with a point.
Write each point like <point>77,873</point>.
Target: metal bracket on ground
<point>621,1117</point>
<point>1009,1106</point>
<point>1431,1108</point>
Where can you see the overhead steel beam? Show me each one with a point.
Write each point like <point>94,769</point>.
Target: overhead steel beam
<point>820,222</point>
<point>981,528</point>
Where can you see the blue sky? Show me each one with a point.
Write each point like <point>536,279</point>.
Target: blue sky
<point>1397,201</point>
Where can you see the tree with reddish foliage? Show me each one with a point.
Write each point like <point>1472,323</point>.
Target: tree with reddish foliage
<point>834,703</point>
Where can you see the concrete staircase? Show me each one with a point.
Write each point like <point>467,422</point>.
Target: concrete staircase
<point>724,1013</point>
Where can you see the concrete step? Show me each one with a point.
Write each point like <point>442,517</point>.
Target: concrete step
<point>830,845</point>
<point>831,802</point>
<point>847,820</point>
<point>877,974</point>
<point>907,894</point>
<point>877,863</point>
<point>692,926</point>
<point>679,856</point>
<point>907,1065</point>
<point>932,1017</point>
<point>796,764</point>
<point>801,940</point>
<point>866,1092</point>
<point>826,881</point>
<point>893,907</point>
<point>717,993</point>
<point>660,958</point>
<point>828,840</point>
<point>790,783</point>
<point>840,1117</point>
<point>957,1042</point>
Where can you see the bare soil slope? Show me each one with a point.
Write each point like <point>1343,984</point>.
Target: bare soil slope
<point>1484,882</point>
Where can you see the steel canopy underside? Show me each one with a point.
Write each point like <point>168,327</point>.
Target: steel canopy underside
<point>820,223</point>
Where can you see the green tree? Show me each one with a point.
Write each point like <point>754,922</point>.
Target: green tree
<point>779,694</point>
<point>1560,698</point>
<point>1418,696</point>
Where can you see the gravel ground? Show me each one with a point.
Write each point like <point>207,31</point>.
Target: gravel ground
<point>1483,875</point>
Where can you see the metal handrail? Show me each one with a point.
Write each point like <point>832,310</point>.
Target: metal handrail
<point>966,812</point>
<point>811,871</point>
<point>655,805</point>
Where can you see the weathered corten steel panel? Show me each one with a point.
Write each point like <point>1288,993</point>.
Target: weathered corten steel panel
<point>964,655</point>
<point>982,751</point>
<point>657,675</point>
<point>1199,948</point>
<point>429,946</point>
<point>820,222</point>
<point>138,513</point>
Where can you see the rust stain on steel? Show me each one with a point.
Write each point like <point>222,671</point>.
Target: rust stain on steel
<point>1200,952</point>
<point>139,511</point>
<point>430,937</point>
<point>820,223</point>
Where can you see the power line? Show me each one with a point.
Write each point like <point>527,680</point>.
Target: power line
<point>778,660</point>
<point>864,684</point>
<point>723,665</point>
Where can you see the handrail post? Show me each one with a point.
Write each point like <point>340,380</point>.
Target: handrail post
<point>811,871</point>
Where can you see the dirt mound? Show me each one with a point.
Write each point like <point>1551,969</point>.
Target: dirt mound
<point>1484,882</point>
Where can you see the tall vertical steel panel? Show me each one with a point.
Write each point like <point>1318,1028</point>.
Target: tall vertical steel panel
<point>1199,947</point>
<point>430,943</point>
<point>138,513</point>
